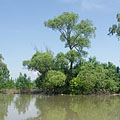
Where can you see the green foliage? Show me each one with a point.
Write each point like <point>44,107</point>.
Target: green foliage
<point>1,57</point>
<point>9,84</point>
<point>71,56</point>
<point>94,78</point>
<point>23,82</point>
<point>41,62</point>
<point>61,63</point>
<point>115,29</point>
<point>68,71</point>
<point>39,80</point>
<point>75,35</point>
<point>4,73</point>
<point>54,79</point>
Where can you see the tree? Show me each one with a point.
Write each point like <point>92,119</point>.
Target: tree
<point>1,57</point>
<point>4,72</point>
<point>9,84</point>
<point>40,61</point>
<point>93,60</point>
<point>23,82</point>
<point>75,35</point>
<point>72,58</point>
<point>115,28</point>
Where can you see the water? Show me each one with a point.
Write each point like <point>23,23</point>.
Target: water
<point>38,107</point>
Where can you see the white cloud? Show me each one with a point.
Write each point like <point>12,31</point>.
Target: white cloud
<point>91,4</point>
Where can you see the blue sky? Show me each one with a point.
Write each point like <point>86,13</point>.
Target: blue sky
<point>22,29</point>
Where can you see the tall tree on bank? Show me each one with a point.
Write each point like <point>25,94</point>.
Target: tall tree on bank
<point>75,35</point>
<point>115,28</point>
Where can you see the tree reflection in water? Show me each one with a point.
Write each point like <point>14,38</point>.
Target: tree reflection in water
<point>22,103</point>
<point>5,101</point>
<point>78,108</point>
<point>62,107</point>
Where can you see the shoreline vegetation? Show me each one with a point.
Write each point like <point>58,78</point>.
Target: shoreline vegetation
<point>36,91</point>
<point>66,73</point>
<point>14,91</point>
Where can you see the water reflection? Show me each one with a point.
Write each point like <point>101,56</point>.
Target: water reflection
<point>37,107</point>
<point>55,108</point>
<point>5,101</point>
<point>22,103</point>
<point>78,108</point>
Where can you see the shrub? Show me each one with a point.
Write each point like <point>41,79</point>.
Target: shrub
<point>93,79</point>
<point>54,79</point>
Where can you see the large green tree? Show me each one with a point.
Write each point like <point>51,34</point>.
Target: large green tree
<point>40,61</point>
<point>75,35</point>
<point>115,28</point>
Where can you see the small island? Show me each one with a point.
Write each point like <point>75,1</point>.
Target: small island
<point>66,73</point>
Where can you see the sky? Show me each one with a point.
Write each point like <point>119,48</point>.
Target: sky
<point>22,29</point>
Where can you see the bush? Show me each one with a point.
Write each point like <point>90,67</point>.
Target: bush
<point>93,79</point>
<point>54,79</point>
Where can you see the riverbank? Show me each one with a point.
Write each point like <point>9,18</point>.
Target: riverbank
<point>37,91</point>
<point>14,91</point>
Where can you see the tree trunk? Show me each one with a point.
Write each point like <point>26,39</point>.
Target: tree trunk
<point>71,69</point>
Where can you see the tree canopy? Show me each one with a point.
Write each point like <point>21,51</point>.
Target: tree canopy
<point>115,28</point>
<point>76,35</point>
<point>41,62</point>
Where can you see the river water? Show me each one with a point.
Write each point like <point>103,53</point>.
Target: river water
<point>39,107</point>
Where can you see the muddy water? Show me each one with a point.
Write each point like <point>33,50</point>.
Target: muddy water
<point>39,107</point>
